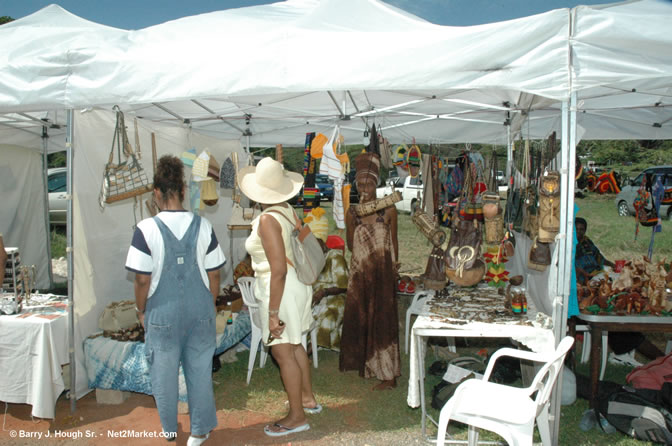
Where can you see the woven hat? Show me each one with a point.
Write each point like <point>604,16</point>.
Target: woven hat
<point>268,182</point>
<point>318,223</point>
<point>367,164</point>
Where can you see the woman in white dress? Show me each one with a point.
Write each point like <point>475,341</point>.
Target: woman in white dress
<point>284,301</point>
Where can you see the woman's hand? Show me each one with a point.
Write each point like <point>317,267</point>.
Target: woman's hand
<point>275,326</point>
<point>141,318</point>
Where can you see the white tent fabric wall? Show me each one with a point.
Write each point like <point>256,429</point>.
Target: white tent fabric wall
<point>102,237</point>
<point>622,69</point>
<point>23,218</point>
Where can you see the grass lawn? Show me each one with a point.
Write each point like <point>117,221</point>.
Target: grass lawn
<point>350,404</point>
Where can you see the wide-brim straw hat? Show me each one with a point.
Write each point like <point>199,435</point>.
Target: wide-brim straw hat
<point>268,182</point>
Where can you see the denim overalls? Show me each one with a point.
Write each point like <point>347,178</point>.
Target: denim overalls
<point>180,327</point>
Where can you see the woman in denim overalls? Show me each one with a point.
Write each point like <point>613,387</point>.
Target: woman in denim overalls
<point>174,256</point>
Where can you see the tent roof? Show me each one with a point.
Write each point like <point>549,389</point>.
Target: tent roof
<point>277,71</point>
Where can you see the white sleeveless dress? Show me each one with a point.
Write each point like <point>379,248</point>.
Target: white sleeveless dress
<point>295,307</point>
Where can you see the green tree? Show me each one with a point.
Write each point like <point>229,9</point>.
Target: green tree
<point>56,159</point>
<point>5,19</point>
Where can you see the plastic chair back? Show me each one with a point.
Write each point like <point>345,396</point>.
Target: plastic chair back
<point>246,285</point>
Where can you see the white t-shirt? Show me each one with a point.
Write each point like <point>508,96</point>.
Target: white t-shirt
<point>145,256</point>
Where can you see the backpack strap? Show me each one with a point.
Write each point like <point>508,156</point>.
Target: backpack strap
<point>297,226</point>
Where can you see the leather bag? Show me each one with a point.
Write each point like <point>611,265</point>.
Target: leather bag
<point>514,209</point>
<point>463,255</point>
<point>434,277</point>
<point>540,255</point>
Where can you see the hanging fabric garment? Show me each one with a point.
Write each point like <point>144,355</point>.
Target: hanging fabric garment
<point>330,164</point>
<point>194,196</point>
<point>374,144</point>
<point>385,151</point>
<point>332,167</point>
<point>309,189</point>
<point>227,175</point>
<point>309,161</point>
<point>338,205</point>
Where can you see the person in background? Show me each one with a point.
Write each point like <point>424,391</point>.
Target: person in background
<point>3,254</point>
<point>329,290</point>
<point>370,338</point>
<point>241,327</point>
<point>176,259</point>
<point>590,262</point>
<point>284,302</point>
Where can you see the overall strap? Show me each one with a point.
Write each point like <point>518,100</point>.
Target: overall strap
<point>165,230</point>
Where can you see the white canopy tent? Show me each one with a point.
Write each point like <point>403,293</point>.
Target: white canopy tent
<point>269,74</point>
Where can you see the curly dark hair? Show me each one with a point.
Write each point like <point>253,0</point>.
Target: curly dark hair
<point>169,177</point>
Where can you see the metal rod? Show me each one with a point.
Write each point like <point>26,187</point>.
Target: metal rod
<point>45,187</point>
<point>68,230</point>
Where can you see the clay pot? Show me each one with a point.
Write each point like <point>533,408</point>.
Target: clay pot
<point>490,210</point>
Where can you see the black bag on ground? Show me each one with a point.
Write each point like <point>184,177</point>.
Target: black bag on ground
<point>444,390</point>
<point>605,388</point>
<point>636,416</point>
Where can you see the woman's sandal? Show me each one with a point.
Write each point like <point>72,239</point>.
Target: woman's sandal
<point>286,431</point>
<point>310,410</point>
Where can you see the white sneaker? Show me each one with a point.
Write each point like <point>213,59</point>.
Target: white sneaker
<point>627,359</point>
<point>196,441</point>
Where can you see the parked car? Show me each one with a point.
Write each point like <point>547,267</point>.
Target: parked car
<point>501,180</point>
<point>626,198</point>
<point>326,187</point>
<point>57,187</point>
<point>411,192</point>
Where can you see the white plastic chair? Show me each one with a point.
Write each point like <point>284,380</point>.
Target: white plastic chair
<point>419,300</point>
<point>313,341</point>
<point>246,285</point>
<point>508,411</point>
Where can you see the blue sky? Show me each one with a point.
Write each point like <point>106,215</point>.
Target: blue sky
<point>136,14</point>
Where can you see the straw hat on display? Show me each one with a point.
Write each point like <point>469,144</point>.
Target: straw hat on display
<point>268,182</point>
<point>318,223</point>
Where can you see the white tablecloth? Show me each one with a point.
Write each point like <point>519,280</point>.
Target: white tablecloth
<point>533,335</point>
<point>32,351</point>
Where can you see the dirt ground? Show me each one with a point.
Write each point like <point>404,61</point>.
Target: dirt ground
<point>126,423</point>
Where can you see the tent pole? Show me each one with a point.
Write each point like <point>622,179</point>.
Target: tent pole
<point>564,242</point>
<point>45,181</point>
<point>509,151</point>
<point>68,250</point>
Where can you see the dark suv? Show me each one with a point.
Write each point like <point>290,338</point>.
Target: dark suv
<point>326,187</point>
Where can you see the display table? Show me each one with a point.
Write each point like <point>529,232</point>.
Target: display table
<point>470,312</point>
<point>117,365</point>
<point>598,323</point>
<point>33,347</point>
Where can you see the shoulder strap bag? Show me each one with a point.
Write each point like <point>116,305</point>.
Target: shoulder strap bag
<point>309,259</point>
